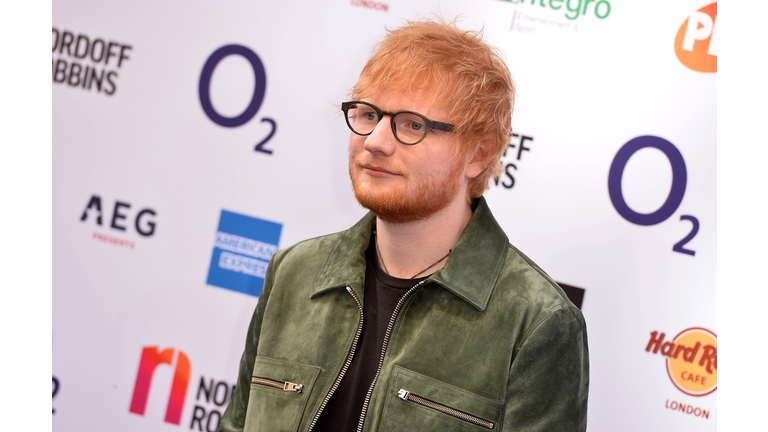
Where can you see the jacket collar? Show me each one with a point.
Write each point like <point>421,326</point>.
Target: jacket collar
<point>470,272</point>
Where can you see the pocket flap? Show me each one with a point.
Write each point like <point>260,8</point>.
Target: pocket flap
<point>281,370</point>
<point>275,409</point>
<point>399,413</point>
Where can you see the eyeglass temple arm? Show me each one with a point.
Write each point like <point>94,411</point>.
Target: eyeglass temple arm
<point>442,126</point>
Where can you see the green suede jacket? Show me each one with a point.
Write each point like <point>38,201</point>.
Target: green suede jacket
<point>489,342</point>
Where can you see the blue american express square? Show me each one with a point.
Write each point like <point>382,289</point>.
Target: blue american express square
<point>242,250</point>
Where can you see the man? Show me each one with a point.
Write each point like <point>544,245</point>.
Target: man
<point>422,316</point>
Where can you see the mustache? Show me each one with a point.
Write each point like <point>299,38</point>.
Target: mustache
<point>368,159</point>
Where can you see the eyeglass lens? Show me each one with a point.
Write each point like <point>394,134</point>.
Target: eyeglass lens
<point>409,128</point>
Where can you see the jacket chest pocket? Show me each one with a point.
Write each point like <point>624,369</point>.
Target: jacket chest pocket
<point>417,402</point>
<point>278,395</point>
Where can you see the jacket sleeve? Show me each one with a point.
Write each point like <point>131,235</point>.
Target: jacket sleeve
<point>233,419</point>
<point>549,376</point>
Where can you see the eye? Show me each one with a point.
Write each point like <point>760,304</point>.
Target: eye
<point>367,114</point>
<point>416,126</point>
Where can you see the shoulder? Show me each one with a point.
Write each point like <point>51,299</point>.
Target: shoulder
<point>529,292</point>
<point>530,282</point>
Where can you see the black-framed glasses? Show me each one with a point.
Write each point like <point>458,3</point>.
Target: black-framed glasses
<point>408,127</point>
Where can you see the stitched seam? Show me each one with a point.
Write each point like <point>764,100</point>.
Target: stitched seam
<point>501,262</point>
<point>538,324</point>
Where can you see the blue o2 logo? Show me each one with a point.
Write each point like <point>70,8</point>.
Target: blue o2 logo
<point>256,99</point>
<point>676,193</point>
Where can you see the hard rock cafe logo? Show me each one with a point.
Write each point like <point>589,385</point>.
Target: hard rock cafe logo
<point>691,359</point>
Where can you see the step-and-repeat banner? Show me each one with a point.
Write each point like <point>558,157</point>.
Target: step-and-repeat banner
<point>193,140</point>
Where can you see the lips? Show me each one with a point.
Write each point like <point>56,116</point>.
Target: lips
<point>377,170</point>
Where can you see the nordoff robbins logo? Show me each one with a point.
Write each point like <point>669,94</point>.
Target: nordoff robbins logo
<point>691,359</point>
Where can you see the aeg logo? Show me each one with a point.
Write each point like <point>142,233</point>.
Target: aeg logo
<point>151,358</point>
<point>144,221</point>
<point>691,359</point>
<point>696,41</point>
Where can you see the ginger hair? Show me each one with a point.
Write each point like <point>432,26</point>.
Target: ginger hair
<point>457,69</point>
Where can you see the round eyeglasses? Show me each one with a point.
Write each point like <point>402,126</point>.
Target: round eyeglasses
<point>408,127</point>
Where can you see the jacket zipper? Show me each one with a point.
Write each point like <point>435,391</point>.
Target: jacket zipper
<point>286,386</point>
<point>390,326</point>
<point>346,363</point>
<point>408,396</point>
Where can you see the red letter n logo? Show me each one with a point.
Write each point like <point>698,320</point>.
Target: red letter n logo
<point>150,359</point>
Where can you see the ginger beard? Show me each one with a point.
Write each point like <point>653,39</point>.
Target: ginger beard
<point>406,199</point>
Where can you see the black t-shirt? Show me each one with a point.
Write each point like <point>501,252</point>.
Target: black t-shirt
<point>382,293</point>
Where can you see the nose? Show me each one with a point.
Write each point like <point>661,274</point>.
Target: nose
<point>381,140</point>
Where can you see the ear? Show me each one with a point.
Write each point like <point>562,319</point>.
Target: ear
<point>478,161</point>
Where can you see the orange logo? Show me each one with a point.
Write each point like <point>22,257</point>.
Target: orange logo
<point>696,41</point>
<point>691,359</point>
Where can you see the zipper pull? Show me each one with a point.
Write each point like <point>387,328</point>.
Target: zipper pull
<point>288,386</point>
<point>403,394</point>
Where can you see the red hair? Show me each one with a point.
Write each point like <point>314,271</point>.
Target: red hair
<point>458,69</point>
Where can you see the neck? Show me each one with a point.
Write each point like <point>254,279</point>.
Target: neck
<point>410,247</point>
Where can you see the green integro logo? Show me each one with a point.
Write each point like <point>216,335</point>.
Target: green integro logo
<point>572,8</point>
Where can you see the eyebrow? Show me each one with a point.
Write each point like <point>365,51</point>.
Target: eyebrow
<point>389,111</point>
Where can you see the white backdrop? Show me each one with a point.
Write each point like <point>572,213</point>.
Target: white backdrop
<point>175,191</point>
